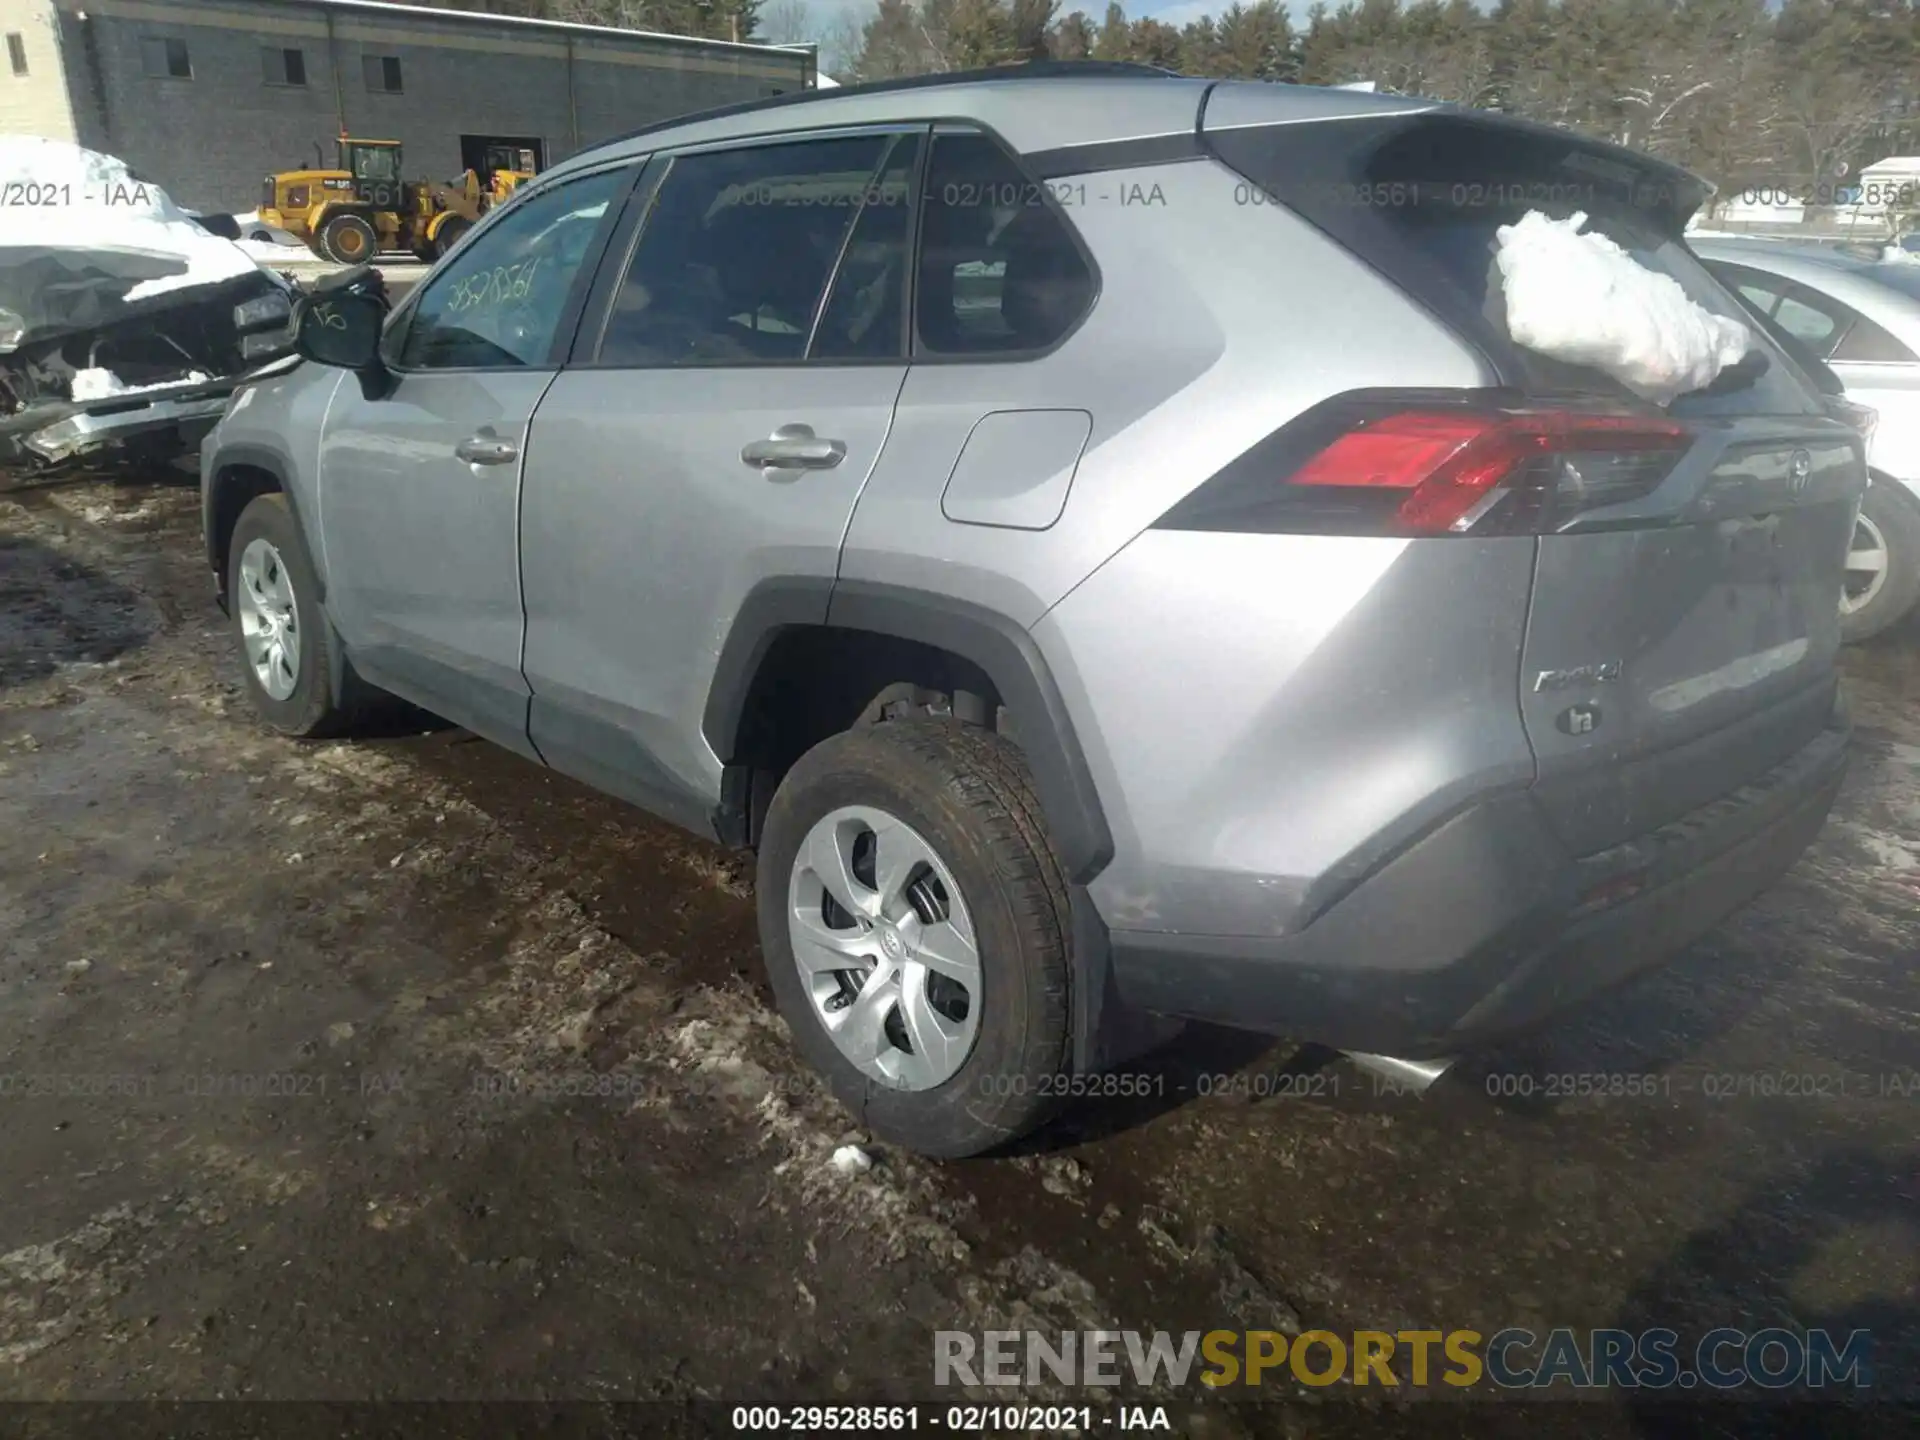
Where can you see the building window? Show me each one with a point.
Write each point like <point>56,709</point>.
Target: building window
<point>17,52</point>
<point>383,73</point>
<point>284,67</point>
<point>166,58</point>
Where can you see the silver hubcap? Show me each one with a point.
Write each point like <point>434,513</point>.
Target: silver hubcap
<point>886,948</point>
<point>269,624</point>
<point>1866,566</point>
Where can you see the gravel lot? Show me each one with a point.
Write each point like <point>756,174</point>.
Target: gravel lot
<point>261,1007</point>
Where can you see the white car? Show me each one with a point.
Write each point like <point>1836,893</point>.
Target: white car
<point>1862,318</point>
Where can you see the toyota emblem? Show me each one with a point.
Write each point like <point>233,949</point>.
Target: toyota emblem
<point>1799,470</point>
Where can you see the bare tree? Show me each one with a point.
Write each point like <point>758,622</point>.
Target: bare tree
<point>788,22</point>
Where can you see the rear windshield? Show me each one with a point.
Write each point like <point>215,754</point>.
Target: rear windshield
<point>1421,199</point>
<point>1462,234</point>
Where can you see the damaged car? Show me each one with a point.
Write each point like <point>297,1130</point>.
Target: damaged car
<point>124,324</point>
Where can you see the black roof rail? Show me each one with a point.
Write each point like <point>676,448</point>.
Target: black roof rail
<point>1028,70</point>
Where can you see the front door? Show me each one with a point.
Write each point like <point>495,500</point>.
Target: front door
<point>420,486</point>
<point>715,432</point>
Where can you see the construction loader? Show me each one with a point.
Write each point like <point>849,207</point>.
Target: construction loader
<point>362,207</point>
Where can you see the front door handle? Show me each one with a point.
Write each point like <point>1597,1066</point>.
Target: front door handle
<point>794,447</point>
<point>484,449</point>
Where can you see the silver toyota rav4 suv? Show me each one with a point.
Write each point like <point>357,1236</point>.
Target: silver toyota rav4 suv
<point>1092,534</point>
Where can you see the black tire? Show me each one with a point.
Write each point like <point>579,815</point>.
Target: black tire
<point>448,236</point>
<point>312,710</point>
<point>1892,510</point>
<point>967,792</point>
<point>345,231</point>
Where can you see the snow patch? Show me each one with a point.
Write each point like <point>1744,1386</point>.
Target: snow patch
<point>89,201</point>
<point>852,1160</point>
<point>105,385</point>
<point>1581,298</point>
<point>265,252</point>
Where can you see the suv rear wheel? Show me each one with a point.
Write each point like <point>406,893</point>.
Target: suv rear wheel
<point>1883,562</point>
<point>914,920</point>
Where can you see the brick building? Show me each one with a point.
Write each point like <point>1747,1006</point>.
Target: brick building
<point>206,97</point>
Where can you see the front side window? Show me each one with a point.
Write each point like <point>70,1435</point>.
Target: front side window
<point>999,270</point>
<point>375,162</point>
<point>499,304</point>
<point>738,247</point>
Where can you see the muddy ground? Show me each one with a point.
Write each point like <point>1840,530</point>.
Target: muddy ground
<point>286,1032</point>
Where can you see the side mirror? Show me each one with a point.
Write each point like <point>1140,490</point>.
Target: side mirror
<point>340,329</point>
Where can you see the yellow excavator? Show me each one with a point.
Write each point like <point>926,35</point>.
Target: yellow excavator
<point>353,212</point>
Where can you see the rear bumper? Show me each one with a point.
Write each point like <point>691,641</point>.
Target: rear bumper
<point>1487,926</point>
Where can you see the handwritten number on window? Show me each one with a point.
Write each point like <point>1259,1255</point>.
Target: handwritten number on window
<point>502,285</point>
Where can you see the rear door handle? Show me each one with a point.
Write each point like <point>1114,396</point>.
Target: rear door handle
<point>794,447</point>
<point>487,450</point>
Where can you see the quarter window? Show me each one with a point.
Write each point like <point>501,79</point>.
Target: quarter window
<point>999,269</point>
<point>500,303</point>
<point>1870,344</point>
<point>734,261</point>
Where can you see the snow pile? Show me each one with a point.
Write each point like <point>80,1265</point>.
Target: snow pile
<point>105,385</point>
<point>268,253</point>
<point>852,1160</point>
<point>1582,299</point>
<point>75,199</point>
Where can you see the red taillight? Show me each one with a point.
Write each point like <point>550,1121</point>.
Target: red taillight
<point>1454,467</point>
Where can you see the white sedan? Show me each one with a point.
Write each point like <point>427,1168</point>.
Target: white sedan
<point>1862,318</point>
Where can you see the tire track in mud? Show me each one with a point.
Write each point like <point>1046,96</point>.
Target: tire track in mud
<point>670,998</point>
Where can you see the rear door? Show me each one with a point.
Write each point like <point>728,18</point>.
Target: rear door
<point>1683,626</point>
<point>725,405</point>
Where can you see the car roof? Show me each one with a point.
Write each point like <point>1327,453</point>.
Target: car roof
<point>1042,106</point>
<point>1868,286</point>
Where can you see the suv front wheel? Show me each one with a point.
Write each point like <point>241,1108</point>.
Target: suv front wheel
<point>914,920</point>
<point>280,628</point>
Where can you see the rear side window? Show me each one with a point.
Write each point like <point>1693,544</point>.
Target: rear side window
<point>1421,199</point>
<point>999,270</point>
<point>1811,321</point>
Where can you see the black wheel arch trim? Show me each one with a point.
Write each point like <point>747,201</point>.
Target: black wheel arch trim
<point>1002,648</point>
<point>258,457</point>
<point>255,457</point>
